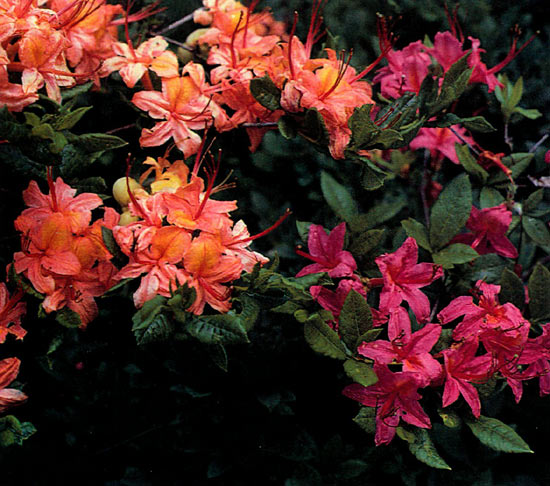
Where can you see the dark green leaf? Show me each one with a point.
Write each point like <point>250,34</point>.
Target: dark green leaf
<point>366,419</point>
<point>158,329</point>
<point>454,254</point>
<point>303,229</point>
<point>68,318</point>
<point>497,435</point>
<point>97,142</point>
<point>217,329</point>
<point>363,129</point>
<point>366,242</point>
<point>355,319</point>
<point>537,231</point>
<point>470,164</point>
<point>314,128</point>
<point>372,179</point>
<point>451,211</point>
<point>70,93</point>
<point>218,355</point>
<point>69,120</point>
<point>287,127</point>
<point>415,229</point>
<point>424,450</point>
<point>323,339</point>
<point>266,92</point>
<point>539,283</point>
<point>490,197</point>
<point>517,163</point>
<point>351,468</point>
<point>531,203</point>
<point>338,197</point>
<point>360,372</point>
<point>511,289</point>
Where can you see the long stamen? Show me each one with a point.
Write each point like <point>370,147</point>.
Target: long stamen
<point>341,73</point>
<point>211,170</point>
<point>135,202</point>
<point>249,10</point>
<point>232,45</point>
<point>142,14</point>
<point>51,185</point>
<point>275,225</point>
<point>512,53</point>
<point>314,25</point>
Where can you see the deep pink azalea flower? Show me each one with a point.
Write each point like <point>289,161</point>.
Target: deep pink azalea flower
<point>403,277</point>
<point>462,368</point>
<point>488,231</point>
<point>327,252</point>
<point>333,301</point>
<point>395,396</point>
<point>441,142</point>
<point>404,346</point>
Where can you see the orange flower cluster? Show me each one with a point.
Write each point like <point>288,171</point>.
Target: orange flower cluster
<point>242,45</point>
<point>63,255</point>
<point>54,43</point>
<point>182,236</point>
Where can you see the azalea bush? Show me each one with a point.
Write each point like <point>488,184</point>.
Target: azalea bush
<point>250,243</point>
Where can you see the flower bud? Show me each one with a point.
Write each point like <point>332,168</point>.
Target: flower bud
<point>120,190</point>
<point>126,218</point>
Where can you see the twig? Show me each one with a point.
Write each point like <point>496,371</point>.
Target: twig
<point>177,23</point>
<point>424,188</point>
<point>179,44</point>
<point>507,138</point>
<point>260,125</point>
<point>114,130</point>
<point>471,147</point>
<point>534,148</point>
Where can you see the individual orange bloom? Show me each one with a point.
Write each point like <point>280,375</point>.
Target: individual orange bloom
<point>11,312</point>
<point>185,106</point>
<point>207,268</point>
<point>134,63</point>
<point>9,397</point>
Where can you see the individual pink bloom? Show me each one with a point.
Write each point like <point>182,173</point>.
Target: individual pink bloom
<point>502,328</point>
<point>462,368</point>
<point>547,157</point>
<point>403,277</point>
<point>405,72</point>
<point>11,312</point>
<point>327,252</point>
<point>395,396</point>
<point>9,397</point>
<point>333,301</point>
<point>404,346</point>
<point>488,231</point>
<point>441,142</point>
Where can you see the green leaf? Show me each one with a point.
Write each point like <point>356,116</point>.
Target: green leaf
<point>303,229</point>
<point>424,450</point>
<point>470,164</point>
<point>287,127</point>
<point>355,319</point>
<point>538,285</point>
<point>380,212</point>
<point>478,124</point>
<point>363,129</point>
<point>490,197</point>
<point>338,197</point>
<point>511,289</point>
<point>323,339</point>
<point>497,435</point>
<point>351,468</point>
<point>537,231</point>
<point>70,93</point>
<point>97,142</point>
<point>218,329</point>
<point>112,245</point>
<point>69,120</point>
<point>266,92</point>
<point>314,129</point>
<point>14,432</point>
<point>451,211</point>
<point>366,242</point>
<point>415,229</point>
<point>68,318</point>
<point>454,254</point>
<point>218,355</point>
<point>530,113</point>
<point>531,203</point>
<point>372,179</point>
<point>158,329</point>
<point>517,162</point>
<point>360,372</point>
<point>366,419</point>
<point>370,335</point>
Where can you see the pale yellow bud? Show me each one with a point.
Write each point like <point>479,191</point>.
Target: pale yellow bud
<point>120,190</point>
<point>193,37</point>
<point>126,218</point>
